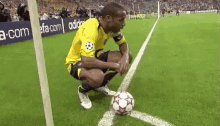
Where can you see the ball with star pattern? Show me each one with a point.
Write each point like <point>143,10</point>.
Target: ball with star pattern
<point>122,103</point>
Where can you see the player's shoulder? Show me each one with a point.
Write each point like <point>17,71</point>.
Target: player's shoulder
<point>91,23</point>
<point>89,28</point>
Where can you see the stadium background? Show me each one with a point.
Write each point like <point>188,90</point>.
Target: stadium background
<point>71,8</point>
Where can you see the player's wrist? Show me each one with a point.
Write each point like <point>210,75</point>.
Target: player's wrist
<point>125,58</point>
<point>116,65</point>
<point>113,65</point>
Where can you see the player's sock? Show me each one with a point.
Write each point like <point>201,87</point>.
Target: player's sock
<point>85,87</point>
<point>107,78</point>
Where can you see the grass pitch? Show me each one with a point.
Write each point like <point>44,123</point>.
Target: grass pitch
<point>176,80</point>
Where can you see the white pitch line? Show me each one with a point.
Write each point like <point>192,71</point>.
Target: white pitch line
<point>150,119</point>
<point>108,117</point>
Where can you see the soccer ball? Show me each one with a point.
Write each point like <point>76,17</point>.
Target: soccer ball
<point>122,103</point>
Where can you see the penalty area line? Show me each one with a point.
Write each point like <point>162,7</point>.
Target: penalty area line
<point>108,117</point>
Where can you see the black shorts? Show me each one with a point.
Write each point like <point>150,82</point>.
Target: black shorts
<point>74,68</point>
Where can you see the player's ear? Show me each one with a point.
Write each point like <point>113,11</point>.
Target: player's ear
<point>108,18</point>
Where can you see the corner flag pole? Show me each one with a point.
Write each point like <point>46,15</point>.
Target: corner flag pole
<point>35,25</point>
<point>158,9</point>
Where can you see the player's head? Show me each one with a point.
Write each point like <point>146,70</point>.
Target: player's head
<point>113,16</point>
<point>1,6</point>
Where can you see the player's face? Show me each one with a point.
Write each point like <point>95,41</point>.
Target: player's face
<point>1,7</point>
<point>118,22</point>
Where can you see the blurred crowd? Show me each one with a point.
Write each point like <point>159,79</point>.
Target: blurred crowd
<point>17,10</point>
<point>192,5</point>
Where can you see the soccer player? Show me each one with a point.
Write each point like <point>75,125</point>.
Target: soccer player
<point>177,12</point>
<point>217,9</point>
<point>163,12</point>
<point>88,63</point>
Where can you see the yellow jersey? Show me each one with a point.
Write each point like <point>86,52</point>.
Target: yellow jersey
<point>89,38</point>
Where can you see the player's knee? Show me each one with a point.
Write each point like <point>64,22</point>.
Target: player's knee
<point>115,56</point>
<point>97,77</point>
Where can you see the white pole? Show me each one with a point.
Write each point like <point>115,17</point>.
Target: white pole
<point>158,9</point>
<point>35,25</point>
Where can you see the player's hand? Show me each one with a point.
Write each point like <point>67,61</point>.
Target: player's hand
<point>117,67</point>
<point>124,65</point>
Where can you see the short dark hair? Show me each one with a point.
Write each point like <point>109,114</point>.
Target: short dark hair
<point>2,6</point>
<point>111,9</point>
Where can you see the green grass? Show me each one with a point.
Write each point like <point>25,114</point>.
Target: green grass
<point>176,80</point>
<point>20,93</point>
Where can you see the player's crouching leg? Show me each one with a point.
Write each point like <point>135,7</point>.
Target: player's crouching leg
<point>113,56</point>
<point>92,79</point>
<point>93,76</point>
<point>97,77</point>
<point>110,56</point>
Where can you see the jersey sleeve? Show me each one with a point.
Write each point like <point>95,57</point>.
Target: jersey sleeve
<point>118,38</point>
<point>88,38</point>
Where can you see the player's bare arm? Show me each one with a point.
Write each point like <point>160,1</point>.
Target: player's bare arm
<point>124,61</point>
<point>93,63</point>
